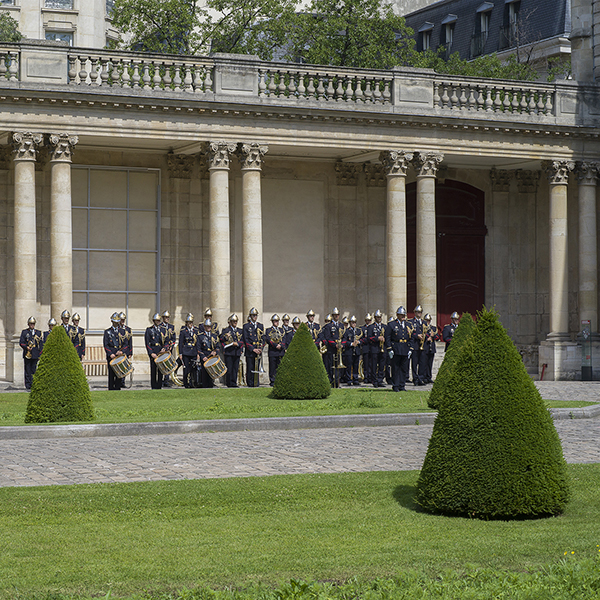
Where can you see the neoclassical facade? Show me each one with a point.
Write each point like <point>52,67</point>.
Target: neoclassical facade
<point>142,182</point>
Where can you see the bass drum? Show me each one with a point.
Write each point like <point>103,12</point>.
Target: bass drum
<point>122,366</point>
<point>167,365</point>
<point>215,367</point>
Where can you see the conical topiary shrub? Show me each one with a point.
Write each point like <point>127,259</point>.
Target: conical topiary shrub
<point>463,331</point>
<point>60,390</point>
<point>494,452</point>
<point>301,374</point>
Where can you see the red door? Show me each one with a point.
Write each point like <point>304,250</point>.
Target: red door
<point>460,248</point>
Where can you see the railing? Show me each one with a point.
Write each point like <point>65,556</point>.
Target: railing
<point>219,76</point>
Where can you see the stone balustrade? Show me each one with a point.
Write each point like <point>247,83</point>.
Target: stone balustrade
<point>239,78</point>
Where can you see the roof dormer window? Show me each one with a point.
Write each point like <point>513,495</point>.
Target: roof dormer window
<point>424,39</point>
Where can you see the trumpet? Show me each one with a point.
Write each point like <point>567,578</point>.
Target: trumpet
<point>423,336</point>
<point>31,345</point>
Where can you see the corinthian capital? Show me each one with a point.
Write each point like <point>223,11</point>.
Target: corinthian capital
<point>426,163</point>
<point>25,145</point>
<point>251,155</point>
<point>217,154</point>
<point>395,162</point>
<point>500,180</point>
<point>61,146</point>
<point>587,172</point>
<point>558,171</point>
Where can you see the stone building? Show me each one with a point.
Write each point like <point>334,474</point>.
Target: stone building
<point>144,182</point>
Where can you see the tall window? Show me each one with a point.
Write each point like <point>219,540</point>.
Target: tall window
<point>116,247</point>
<point>424,37</point>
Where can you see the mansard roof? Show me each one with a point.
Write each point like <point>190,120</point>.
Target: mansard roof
<point>539,20</point>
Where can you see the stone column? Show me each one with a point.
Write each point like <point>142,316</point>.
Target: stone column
<point>218,154</point>
<point>61,235</point>
<point>426,165</point>
<point>581,36</point>
<point>395,164</point>
<point>251,157</point>
<point>588,254</point>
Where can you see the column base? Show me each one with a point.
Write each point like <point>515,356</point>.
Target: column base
<point>560,360</point>
<point>15,370</point>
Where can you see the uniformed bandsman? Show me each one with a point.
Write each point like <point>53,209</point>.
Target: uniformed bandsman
<point>287,340</point>
<point>352,338</point>
<point>155,345</point>
<point>51,325</point>
<point>231,341</point>
<point>285,323</point>
<point>448,331</point>
<point>65,317</point>
<point>253,339</point>
<point>332,334</point>
<point>429,349</point>
<point>31,342</point>
<point>398,345</point>
<point>80,337</point>
<point>128,347</point>
<point>376,345</point>
<point>418,341</point>
<point>364,350</point>
<point>208,345</point>
<point>313,327</point>
<point>170,340</point>
<point>275,347</point>
<point>114,344</point>
<point>188,351</point>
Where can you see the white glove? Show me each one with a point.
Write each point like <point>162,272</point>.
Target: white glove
<point>409,353</point>
<point>391,354</point>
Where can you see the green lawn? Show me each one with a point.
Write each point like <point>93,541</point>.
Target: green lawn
<point>127,406</point>
<point>160,536</point>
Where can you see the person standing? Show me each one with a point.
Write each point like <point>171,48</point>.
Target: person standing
<point>31,342</point>
<point>231,341</point>
<point>79,339</point>
<point>51,325</point>
<point>332,336</point>
<point>253,334</point>
<point>376,345</point>
<point>313,327</point>
<point>418,340</point>
<point>113,342</point>
<point>155,345</point>
<point>429,349</point>
<point>188,351</point>
<point>208,343</point>
<point>448,331</point>
<point>352,338</point>
<point>364,350</point>
<point>170,340</point>
<point>398,345</point>
<point>275,348</point>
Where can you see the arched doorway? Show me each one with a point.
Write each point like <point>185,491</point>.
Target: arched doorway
<point>461,231</point>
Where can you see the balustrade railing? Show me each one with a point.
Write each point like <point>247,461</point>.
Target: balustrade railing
<point>9,65</point>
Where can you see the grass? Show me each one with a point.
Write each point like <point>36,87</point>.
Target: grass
<point>164,536</point>
<point>130,406</point>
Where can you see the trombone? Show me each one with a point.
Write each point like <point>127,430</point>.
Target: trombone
<point>258,368</point>
<point>337,358</point>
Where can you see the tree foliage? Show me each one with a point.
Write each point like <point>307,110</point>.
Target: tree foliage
<point>301,374</point>
<point>60,390</point>
<point>9,28</point>
<point>494,452</point>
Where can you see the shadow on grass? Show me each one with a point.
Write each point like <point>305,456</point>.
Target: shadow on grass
<point>405,495</point>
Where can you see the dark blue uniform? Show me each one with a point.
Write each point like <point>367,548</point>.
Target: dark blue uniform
<point>154,339</point>
<point>398,339</point>
<point>352,353</point>
<point>31,342</point>
<point>253,337</point>
<point>448,334</point>
<point>376,352</point>
<point>275,353</point>
<point>188,349</point>
<point>208,344</point>
<point>429,350</point>
<point>79,341</point>
<point>114,341</point>
<point>232,353</point>
<point>332,336</point>
<point>416,362</point>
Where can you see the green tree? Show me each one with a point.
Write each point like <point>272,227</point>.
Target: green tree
<point>60,390</point>
<point>301,374</point>
<point>494,452</point>
<point>463,332</point>
<point>9,28</point>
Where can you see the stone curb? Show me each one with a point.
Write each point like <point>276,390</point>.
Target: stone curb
<point>37,432</point>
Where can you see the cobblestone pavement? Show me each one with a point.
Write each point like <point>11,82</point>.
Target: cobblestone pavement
<point>241,454</point>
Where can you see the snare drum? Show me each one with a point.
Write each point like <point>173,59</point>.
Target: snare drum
<point>166,363</point>
<point>215,367</point>
<point>122,366</point>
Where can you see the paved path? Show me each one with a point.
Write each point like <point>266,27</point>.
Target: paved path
<point>241,454</point>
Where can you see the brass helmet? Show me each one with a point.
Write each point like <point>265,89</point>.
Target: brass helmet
<point>166,314</point>
<point>454,315</point>
<point>65,314</point>
<point>253,311</point>
<point>401,311</point>
<point>208,313</point>
<point>427,317</point>
<point>189,318</point>
<point>418,308</point>
<point>378,313</point>
<point>275,317</point>
<point>352,319</point>
<point>52,322</point>
<point>310,313</point>
<point>368,317</point>
<point>76,317</point>
<point>232,317</point>
<point>115,317</point>
<point>285,317</point>
<point>345,320</point>
<point>122,316</point>
<point>296,321</point>
<point>207,323</point>
<point>31,320</point>
<point>156,317</point>
<point>335,311</point>
<point>328,318</point>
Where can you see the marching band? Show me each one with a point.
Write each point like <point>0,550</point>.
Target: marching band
<point>372,353</point>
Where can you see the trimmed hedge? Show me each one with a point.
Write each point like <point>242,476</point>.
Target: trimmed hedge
<point>494,452</point>
<point>463,331</point>
<point>301,374</point>
<point>60,390</point>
